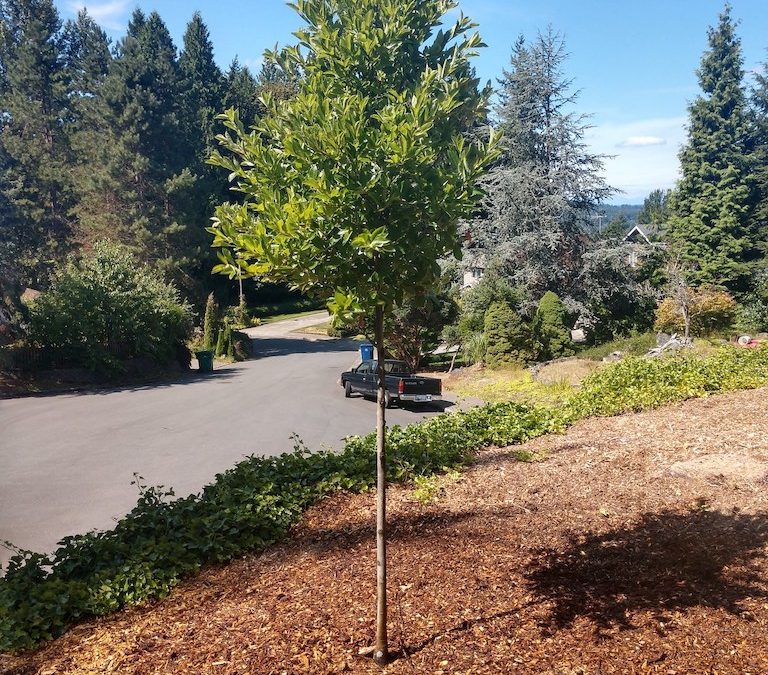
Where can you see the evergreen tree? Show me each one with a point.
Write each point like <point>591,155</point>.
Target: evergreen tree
<point>760,144</point>
<point>543,190</point>
<point>34,153</point>
<point>202,90</point>
<point>142,91</point>
<point>617,228</point>
<point>90,130</point>
<point>508,337</point>
<point>655,209</point>
<point>242,93</point>
<point>550,331</point>
<point>713,201</point>
<point>196,189</point>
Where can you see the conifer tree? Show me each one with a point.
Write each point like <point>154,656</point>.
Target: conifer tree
<point>655,209</point>
<point>142,90</point>
<point>90,130</point>
<point>242,92</point>
<point>546,184</point>
<point>202,90</point>
<point>760,144</point>
<point>34,152</point>
<point>713,201</point>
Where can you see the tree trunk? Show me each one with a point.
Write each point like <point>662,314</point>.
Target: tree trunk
<point>381,653</point>
<point>453,360</point>
<point>687,321</point>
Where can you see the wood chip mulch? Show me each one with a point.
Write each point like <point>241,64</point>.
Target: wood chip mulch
<point>637,546</point>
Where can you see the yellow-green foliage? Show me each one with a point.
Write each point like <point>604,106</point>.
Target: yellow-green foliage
<point>636,384</point>
<point>508,384</point>
<point>710,311</point>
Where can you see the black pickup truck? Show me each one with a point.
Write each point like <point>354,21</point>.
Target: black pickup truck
<point>402,385</point>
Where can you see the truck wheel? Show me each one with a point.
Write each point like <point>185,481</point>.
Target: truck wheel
<point>348,389</point>
<point>388,400</point>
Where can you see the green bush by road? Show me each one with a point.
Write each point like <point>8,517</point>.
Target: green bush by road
<point>253,505</point>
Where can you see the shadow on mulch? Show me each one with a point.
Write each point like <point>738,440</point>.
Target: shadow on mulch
<point>668,561</point>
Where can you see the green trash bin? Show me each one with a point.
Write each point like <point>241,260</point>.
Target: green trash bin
<point>205,361</point>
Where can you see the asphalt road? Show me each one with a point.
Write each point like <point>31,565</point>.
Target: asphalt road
<point>67,461</point>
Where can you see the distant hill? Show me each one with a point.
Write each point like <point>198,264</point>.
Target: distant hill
<point>607,212</point>
<point>630,211</point>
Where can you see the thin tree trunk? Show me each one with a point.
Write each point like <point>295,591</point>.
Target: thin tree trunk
<point>381,653</point>
<point>453,360</point>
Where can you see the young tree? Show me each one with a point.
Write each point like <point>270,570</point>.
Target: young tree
<point>546,184</point>
<point>549,329</point>
<point>509,341</point>
<point>353,187</point>
<point>713,201</point>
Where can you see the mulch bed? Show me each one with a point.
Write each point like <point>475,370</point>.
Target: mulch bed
<point>632,548</point>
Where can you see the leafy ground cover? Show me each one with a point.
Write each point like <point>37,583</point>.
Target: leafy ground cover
<point>639,545</point>
<point>253,505</point>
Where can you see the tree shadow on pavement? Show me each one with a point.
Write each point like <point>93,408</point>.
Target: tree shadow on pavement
<point>667,561</point>
<point>284,346</point>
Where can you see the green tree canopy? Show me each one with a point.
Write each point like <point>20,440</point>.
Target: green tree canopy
<point>655,209</point>
<point>713,201</point>
<point>353,187</point>
<point>34,150</point>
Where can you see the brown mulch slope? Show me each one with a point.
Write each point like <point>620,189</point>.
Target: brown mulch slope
<point>638,546</point>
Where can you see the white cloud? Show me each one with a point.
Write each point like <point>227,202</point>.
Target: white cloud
<point>109,14</point>
<point>641,141</point>
<point>643,154</point>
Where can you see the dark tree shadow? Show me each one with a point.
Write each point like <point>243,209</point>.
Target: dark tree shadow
<point>285,346</point>
<point>668,561</point>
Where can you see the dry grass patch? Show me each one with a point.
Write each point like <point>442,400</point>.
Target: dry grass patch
<point>552,384</point>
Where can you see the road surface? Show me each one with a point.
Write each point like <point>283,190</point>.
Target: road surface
<point>67,461</point>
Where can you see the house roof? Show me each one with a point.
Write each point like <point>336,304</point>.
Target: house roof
<point>637,232</point>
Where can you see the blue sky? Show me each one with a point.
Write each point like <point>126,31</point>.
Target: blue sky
<point>633,61</point>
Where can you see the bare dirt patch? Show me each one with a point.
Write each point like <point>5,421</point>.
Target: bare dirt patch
<point>602,559</point>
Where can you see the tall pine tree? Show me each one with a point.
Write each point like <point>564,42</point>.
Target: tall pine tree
<point>34,153</point>
<point>242,92</point>
<point>202,90</point>
<point>713,202</point>
<point>90,130</point>
<point>760,144</point>
<point>142,91</point>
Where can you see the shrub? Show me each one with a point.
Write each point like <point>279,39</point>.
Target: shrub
<point>209,323</point>
<point>507,336</point>
<point>552,337</point>
<point>635,384</point>
<point>106,307</point>
<point>711,311</point>
<point>753,314</point>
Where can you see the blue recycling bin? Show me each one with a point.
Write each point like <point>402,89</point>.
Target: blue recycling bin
<point>366,351</point>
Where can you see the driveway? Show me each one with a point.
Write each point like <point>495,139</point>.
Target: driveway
<point>67,461</point>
